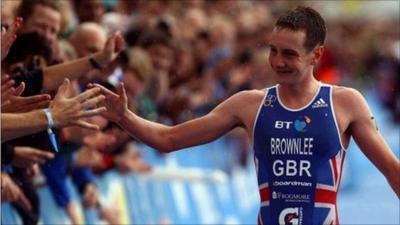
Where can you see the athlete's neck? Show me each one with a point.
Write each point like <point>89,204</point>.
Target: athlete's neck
<point>298,94</point>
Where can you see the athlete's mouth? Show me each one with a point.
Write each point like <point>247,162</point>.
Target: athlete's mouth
<point>283,72</point>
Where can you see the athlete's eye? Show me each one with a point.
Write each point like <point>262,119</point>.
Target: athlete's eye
<point>273,51</point>
<point>290,54</point>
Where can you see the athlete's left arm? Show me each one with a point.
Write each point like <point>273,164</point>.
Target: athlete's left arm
<point>365,132</point>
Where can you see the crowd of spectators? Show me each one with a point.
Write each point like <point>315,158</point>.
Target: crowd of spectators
<point>178,59</point>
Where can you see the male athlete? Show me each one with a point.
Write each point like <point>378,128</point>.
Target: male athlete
<point>300,128</point>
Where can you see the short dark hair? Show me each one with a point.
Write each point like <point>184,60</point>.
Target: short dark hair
<point>25,9</point>
<point>307,19</point>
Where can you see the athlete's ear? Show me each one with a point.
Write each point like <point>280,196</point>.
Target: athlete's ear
<point>318,52</point>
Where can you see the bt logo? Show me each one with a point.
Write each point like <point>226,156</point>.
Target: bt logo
<point>300,124</point>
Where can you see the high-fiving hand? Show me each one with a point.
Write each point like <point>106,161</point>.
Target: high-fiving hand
<point>12,102</point>
<point>114,45</point>
<point>8,37</point>
<point>71,111</point>
<point>116,104</point>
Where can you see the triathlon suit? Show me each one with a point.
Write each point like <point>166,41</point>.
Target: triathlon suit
<point>299,159</point>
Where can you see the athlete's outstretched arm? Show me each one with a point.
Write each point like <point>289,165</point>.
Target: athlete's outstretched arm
<point>169,138</point>
<point>366,134</point>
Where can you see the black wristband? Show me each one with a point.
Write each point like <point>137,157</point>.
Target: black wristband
<point>94,63</point>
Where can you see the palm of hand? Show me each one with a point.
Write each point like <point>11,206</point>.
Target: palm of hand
<point>115,108</point>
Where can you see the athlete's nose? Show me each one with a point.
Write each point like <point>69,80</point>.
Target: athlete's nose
<point>276,60</point>
<point>279,62</point>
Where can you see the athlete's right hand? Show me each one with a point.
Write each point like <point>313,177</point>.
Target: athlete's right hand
<point>116,104</point>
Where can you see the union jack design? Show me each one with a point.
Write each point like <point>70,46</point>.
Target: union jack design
<point>326,193</point>
<point>326,190</point>
<point>299,166</point>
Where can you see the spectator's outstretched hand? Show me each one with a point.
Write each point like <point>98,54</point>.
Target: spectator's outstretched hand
<point>8,37</point>
<point>114,45</point>
<point>12,102</point>
<point>27,156</point>
<point>7,89</point>
<point>10,192</point>
<point>70,111</point>
<point>116,104</point>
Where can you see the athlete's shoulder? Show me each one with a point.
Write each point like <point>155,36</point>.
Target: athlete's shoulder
<point>349,101</point>
<point>346,94</point>
<point>244,105</point>
<point>249,95</point>
<point>245,102</point>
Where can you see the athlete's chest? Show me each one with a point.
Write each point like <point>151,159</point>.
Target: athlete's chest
<point>310,131</point>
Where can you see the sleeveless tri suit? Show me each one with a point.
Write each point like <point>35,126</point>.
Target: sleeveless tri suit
<point>299,159</point>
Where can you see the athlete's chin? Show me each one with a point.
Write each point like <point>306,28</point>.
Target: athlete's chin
<point>285,79</point>
<point>286,76</point>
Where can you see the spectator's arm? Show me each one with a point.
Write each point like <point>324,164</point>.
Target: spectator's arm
<point>15,125</point>
<point>25,157</point>
<point>12,102</point>
<point>64,112</point>
<point>54,75</point>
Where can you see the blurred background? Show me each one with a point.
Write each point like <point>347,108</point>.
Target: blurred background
<point>184,57</point>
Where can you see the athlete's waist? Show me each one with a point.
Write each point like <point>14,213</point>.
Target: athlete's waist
<point>301,192</point>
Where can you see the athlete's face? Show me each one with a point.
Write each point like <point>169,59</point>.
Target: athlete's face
<point>288,57</point>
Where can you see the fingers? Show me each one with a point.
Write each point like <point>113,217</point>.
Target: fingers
<point>110,44</point>
<point>87,94</point>
<point>119,42</point>
<point>87,125</point>
<point>4,103</point>
<point>37,160</point>
<point>92,112</point>
<point>7,93</point>
<point>62,90</point>
<point>16,25</point>
<point>36,99</point>
<point>104,90</point>
<point>20,89</point>
<point>5,78</point>
<point>8,37</point>
<point>6,84</point>
<point>29,156</point>
<point>92,102</point>
<point>38,105</point>
<point>41,157</point>
<point>24,104</point>
<point>122,92</point>
<point>10,34</point>
<point>24,201</point>
<point>44,155</point>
